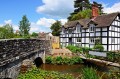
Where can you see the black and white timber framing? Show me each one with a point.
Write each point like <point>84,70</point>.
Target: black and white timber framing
<point>84,32</point>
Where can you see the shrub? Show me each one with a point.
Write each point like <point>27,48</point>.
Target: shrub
<point>48,59</point>
<point>112,56</point>
<point>99,48</point>
<point>59,60</point>
<point>86,49</point>
<point>74,49</point>
<point>89,73</point>
<point>42,74</point>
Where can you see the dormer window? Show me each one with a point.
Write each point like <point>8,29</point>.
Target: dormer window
<point>78,28</point>
<point>70,31</point>
<point>92,29</point>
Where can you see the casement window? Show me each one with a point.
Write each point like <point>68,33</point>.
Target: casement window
<point>92,40</point>
<point>78,29</point>
<point>78,40</point>
<point>92,29</point>
<point>113,40</point>
<point>70,31</point>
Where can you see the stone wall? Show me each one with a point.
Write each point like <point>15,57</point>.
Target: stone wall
<point>14,52</point>
<point>13,49</point>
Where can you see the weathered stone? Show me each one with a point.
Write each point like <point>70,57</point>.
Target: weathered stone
<point>14,52</point>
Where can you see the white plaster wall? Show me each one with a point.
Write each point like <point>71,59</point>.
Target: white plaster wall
<point>104,40</point>
<point>104,29</point>
<point>97,29</point>
<point>104,33</point>
<point>97,33</point>
<point>87,40</point>
<point>105,47</point>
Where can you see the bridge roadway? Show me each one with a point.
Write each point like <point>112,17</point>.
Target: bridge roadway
<point>14,52</point>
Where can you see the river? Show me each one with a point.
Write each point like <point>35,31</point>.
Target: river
<point>75,70</point>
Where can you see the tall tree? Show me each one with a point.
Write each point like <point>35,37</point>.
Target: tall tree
<point>56,28</point>
<point>83,9</point>
<point>24,26</point>
<point>79,5</point>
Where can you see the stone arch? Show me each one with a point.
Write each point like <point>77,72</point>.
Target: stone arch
<point>38,61</point>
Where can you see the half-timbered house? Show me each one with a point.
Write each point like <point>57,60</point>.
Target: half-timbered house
<point>84,32</point>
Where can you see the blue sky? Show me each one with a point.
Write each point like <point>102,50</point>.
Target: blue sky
<point>42,13</point>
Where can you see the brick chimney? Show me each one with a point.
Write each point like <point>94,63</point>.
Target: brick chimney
<point>95,10</point>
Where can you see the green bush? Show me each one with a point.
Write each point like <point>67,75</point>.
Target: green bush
<point>89,73</point>
<point>113,56</point>
<point>42,74</point>
<point>86,49</point>
<point>48,59</point>
<point>76,49</point>
<point>59,60</point>
<point>99,48</point>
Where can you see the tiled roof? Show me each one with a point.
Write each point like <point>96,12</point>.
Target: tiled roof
<point>100,21</point>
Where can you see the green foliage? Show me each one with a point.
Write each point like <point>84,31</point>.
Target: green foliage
<point>89,73</point>
<point>42,74</point>
<point>59,60</point>
<point>74,49</point>
<point>114,74</point>
<point>99,48</point>
<point>86,49</point>
<point>24,26</point>
<point>113,56</point>
<point>6,32</point>
<point>97,41</point>
<point>55,27</point>
<point>82,15</point>
<point>34,34</point>
<point>48,59</point>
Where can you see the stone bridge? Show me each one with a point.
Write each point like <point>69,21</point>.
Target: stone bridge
<point>13,53</point>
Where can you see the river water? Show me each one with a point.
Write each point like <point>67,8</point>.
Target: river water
<point>75,70</point>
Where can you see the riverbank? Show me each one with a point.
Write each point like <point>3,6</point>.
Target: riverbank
<point>107,63</point>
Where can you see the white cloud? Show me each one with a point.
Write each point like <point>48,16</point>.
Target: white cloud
<point>114,8</point>
<point>41,25</point>
<point>8,21</point>
<point>63,21</point>
<point>59,8</point>
<point>45,22</point>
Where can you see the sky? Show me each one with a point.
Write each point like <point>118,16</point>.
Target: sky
<point>43,13</point>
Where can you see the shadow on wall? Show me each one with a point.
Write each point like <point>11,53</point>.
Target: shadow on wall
<point>38,61</point>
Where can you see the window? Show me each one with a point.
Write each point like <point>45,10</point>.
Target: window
<point>70,30</point>
<point>92,40</point>
<point>79,40</point>
<point>113,40</point>
<point>78,29</point>
<point>92,28</point>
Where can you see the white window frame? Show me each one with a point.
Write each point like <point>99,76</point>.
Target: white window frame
<point>92,28</point>
<point>92,40</point>
<point>78,39</point>
<point>78,29</point>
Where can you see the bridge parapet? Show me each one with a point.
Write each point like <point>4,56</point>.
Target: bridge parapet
<point>14,49</point>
